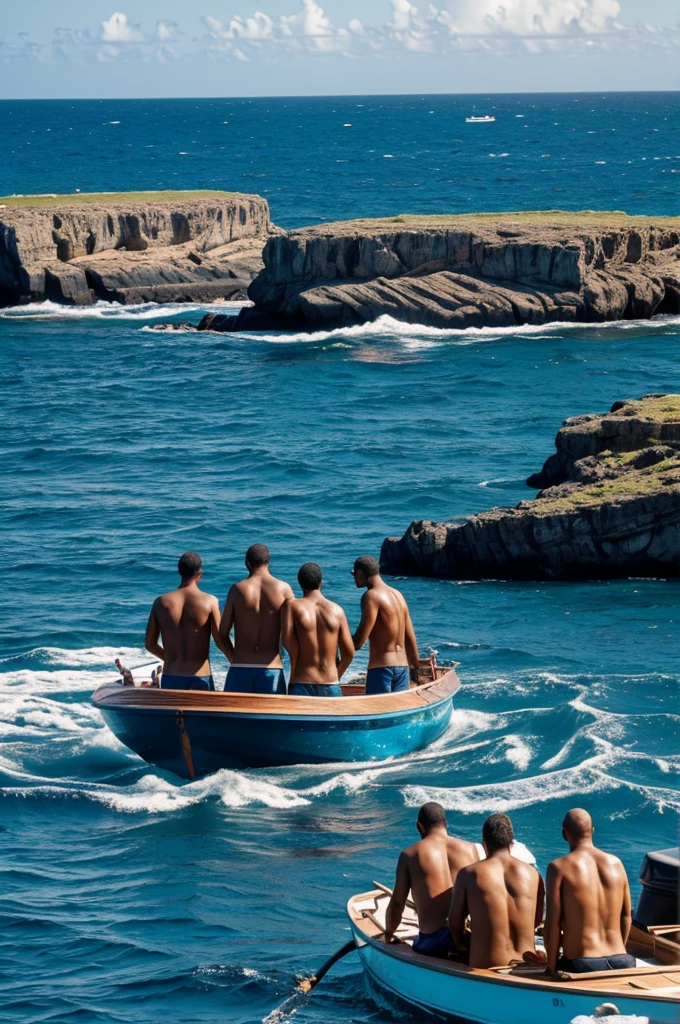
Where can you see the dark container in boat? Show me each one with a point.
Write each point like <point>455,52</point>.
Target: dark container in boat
<point>658,902</point>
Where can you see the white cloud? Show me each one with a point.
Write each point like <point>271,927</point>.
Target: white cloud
<point>531,17</point>
<point>118,30</point>
<point>461,27</point>
<point>166,30</point>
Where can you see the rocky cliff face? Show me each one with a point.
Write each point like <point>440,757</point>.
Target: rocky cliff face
<point>491,270</point>
<point>130,250</point>
<point>612,508</point>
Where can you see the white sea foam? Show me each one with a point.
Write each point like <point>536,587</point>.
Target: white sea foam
<point>387,328</point>
<point>614,1018</point>
<point>115,311</point>
<point>584,779</point>
<point>155,795</point>
<point>518,751</point>
<point>85,656</point>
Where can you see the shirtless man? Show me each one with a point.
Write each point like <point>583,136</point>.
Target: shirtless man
<point>184,620</point>
<point>313,630</point>
<point>504,898</point>
<point>386,624</point>
<point>588,910</point>
<point>253,609</point>
<point>429,869</point>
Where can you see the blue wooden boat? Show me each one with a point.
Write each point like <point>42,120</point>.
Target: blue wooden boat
<point>193,732</point>
<point>521,994</point>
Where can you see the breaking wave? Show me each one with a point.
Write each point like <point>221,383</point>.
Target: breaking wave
<point>114,310</point>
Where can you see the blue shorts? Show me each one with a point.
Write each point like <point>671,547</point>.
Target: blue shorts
<point>314,690</point>
<point>586,964</point>
<point>388,679</point>
<point>439,943</point>
<point>254,679</point>
<point>171,682</point>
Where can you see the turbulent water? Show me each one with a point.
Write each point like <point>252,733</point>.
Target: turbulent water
<point>130,896</point>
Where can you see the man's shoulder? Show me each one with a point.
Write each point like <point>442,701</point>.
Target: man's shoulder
<point>279,584</point>
<point>558,865</point>
<point>333,607</point>
<point>412,851</point>
<point>462,846</point>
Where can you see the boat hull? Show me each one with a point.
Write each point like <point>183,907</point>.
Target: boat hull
<point>261,741</point>
<point>192,734</point>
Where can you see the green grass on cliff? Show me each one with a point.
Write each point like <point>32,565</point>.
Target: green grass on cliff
<point>664,409</point>
<point>577,220</point>
<point>635,483</point>
<point>112,198</point>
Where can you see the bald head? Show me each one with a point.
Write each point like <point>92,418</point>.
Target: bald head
<point>578,824</point>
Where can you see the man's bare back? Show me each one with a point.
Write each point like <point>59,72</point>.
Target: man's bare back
<point>184,619</point>
<point>428,869</point>
<point>313,630</point>
<point>504,898</point>
<point>253,609</point>
<point>386,624</point>
<point>588,898</point>
<point>432,866</point>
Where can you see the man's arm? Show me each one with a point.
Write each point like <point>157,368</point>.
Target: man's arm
<point>153,632</point>
<point>540,901</point>
<point>226,647</point>
<point>458,911</point>
<point>346,647</point>
<point>552,933</point>
<point>369,614</point>
<point>411,644</point>
<point>626,915</point>
<point>395,908</point>
<point>288,638</point>
<point>225,644</point>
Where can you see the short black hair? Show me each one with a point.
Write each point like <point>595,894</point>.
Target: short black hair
<point>432,815</point>
<point>189,565</point>
<point>498,833</point>
<point>257,555</point>
<point>310,576</point>
<point>369,565</point>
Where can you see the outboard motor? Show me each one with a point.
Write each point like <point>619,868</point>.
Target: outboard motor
<point>659,897</point>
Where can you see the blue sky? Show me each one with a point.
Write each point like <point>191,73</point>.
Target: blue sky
<point>90,48</point>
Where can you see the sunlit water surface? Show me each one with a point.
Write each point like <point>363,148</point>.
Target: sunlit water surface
<point>130,896</point>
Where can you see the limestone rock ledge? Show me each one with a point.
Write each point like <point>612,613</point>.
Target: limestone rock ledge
<point>75,251</point>
<point>484,270</point>
<point>610,508</point>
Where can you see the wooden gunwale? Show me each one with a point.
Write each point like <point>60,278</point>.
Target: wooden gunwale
<point>620,982</point>
<point>115,696</point>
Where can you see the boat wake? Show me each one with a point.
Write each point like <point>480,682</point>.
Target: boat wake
<point>550,737</point>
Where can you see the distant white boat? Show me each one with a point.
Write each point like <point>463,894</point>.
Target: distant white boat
<point>480,120</point>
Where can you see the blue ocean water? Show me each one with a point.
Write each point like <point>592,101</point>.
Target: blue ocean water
<point>130,896</point>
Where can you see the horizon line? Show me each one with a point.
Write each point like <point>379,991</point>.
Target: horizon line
<point>340,96</point>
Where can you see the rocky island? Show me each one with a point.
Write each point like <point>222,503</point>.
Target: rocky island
<point>609,507</point>
<point>481,270</point>
<point>131,247</point>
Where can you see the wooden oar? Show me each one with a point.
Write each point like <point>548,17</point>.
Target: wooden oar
<point>307,984</point>
<point>385,889</point>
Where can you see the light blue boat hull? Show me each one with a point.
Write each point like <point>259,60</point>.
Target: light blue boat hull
<point>261,741</point>
<point>457,994</point>
<point>193,733</point>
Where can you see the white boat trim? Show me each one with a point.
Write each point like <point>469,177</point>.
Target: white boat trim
<point>529,996</point>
